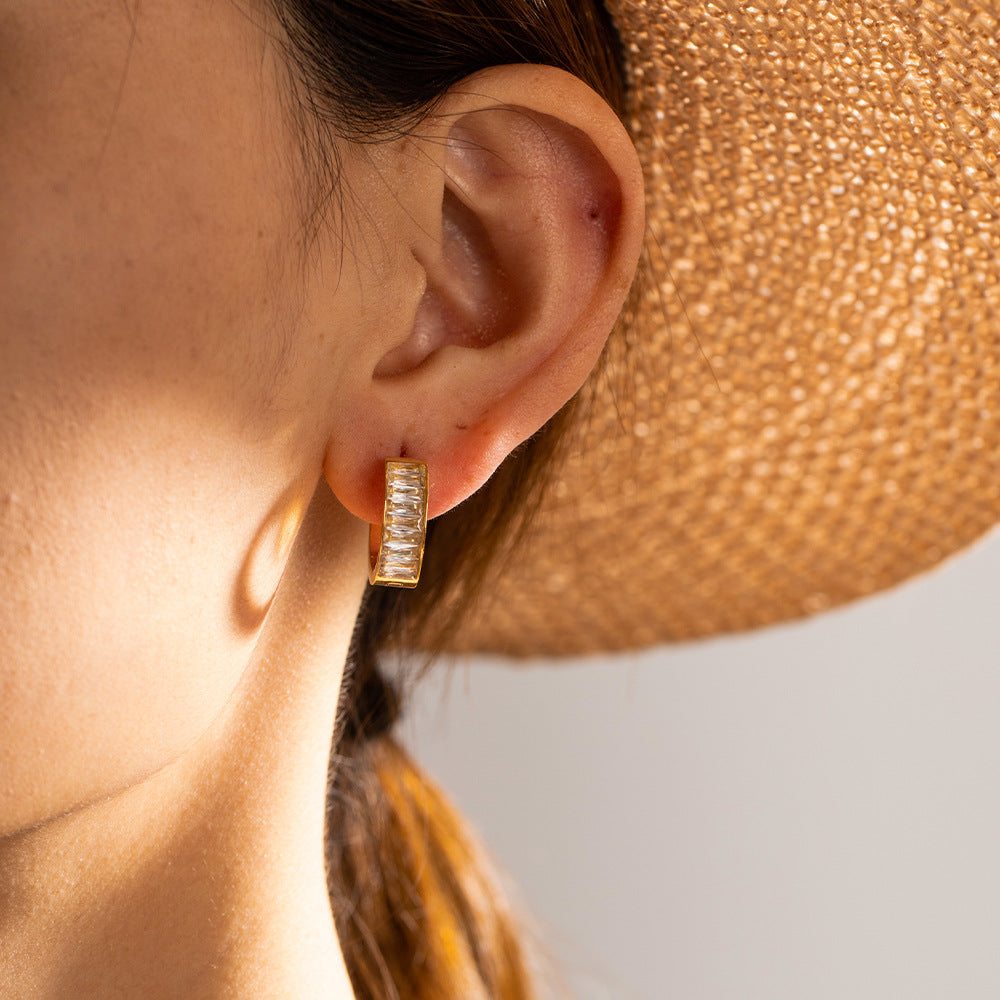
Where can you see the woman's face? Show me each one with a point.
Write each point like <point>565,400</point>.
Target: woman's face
<point>152,380</point>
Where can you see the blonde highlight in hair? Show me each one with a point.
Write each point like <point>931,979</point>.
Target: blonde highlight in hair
<point>418,909</point>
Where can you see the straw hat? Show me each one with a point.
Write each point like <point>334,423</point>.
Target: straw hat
<point>807,407</point>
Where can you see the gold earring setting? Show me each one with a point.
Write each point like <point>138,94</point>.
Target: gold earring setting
<point>396,547</point>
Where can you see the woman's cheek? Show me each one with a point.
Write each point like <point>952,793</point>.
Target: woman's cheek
<point>121,547</point>
<point>147,399</point>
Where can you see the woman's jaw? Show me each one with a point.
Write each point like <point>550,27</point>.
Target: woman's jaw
<point>207,878</point>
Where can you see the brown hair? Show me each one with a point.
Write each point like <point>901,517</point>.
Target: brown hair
<point>418,914</point>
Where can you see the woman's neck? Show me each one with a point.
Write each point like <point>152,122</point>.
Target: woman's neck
<point>207,879</point>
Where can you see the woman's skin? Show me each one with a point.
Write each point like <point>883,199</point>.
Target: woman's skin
<point>196,400</point>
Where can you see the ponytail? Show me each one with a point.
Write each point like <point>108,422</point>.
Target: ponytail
<point>419,912</point>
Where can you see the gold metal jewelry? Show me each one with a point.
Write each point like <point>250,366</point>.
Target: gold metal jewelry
<point>396,547</point>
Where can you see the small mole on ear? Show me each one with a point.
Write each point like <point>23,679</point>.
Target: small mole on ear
<point>461,427</point>
<point>593,213</point>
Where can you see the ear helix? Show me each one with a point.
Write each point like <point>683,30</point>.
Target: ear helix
<point>396,547</point>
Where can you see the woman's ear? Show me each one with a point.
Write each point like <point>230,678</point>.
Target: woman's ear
<point>518,211</point>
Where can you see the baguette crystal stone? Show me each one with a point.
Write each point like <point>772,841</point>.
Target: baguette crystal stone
<point>396,548</point>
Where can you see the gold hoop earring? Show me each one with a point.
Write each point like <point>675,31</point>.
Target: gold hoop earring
<point>396,547</point>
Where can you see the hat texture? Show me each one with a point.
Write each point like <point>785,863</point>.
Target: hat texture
<point>802,403</point>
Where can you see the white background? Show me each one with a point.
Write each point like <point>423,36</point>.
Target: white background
<point>809,812</point>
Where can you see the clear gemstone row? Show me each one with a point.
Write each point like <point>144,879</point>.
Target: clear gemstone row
<point>402,538</point>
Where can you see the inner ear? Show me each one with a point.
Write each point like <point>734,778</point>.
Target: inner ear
<point>468,300</point>
<point>480,287</point>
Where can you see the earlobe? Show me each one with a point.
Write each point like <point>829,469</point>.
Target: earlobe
<point>526,228</point>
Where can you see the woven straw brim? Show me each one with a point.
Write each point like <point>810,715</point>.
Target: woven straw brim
<point>802,406</point>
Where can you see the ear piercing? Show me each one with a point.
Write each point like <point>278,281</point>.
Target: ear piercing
<point>396,547</point>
